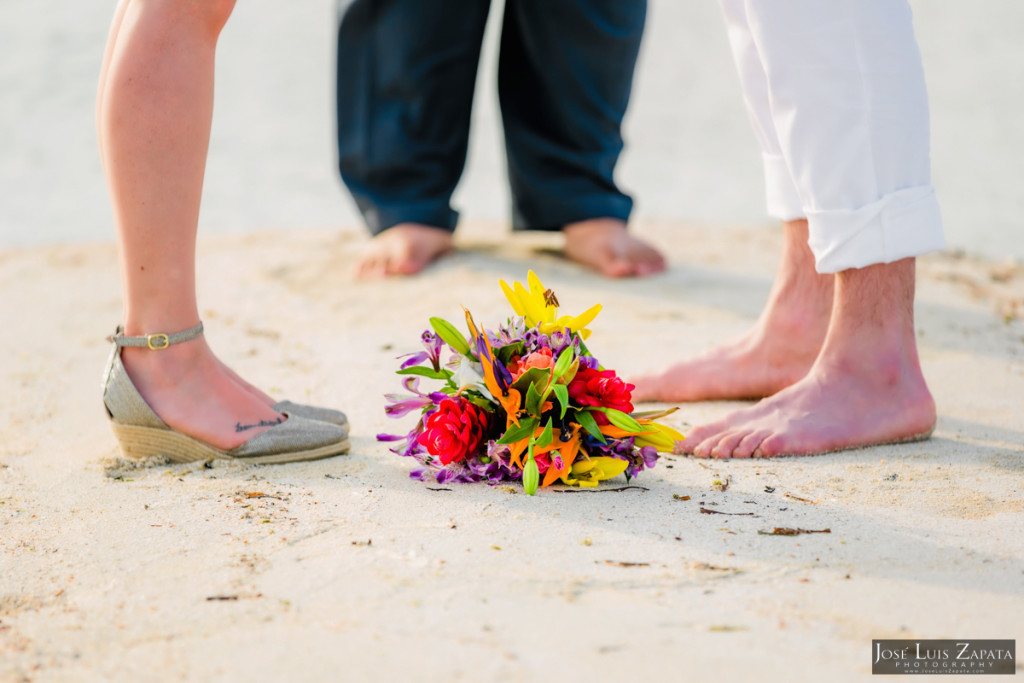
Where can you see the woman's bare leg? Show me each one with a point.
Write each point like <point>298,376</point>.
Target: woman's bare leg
<point>155,110</point>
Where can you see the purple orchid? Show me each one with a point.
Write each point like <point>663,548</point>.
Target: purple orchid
<point>402,404</point>
<point>560,340</point>
<point>432,344</point>
<point>510,333</point>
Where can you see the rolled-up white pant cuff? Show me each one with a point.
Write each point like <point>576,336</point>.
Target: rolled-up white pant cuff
<point>900,225</point>
<point>781,198</point>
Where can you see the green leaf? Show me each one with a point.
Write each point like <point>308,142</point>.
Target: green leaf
<point>524,430</point>
<point>564,361</point>
<point>450,335</point>
<point>533,401</point>
<point>622,420</point>
<point>570,373</point>
<point>589,424</point>
<point>562,393</point>
<point>537,376</point>
<point>653,414</point>
<point>425,372</point>
<point>545,437</point>
<point>479,401</point>
<point>505,353</point>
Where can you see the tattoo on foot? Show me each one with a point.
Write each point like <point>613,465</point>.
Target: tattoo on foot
<point>239,427</point>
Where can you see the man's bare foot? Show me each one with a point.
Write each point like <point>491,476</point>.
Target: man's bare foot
<point>187,387</point>
<point>604,245</point>
<point>777,352</point>
<point>829,410</point>
<point>404,249</point>
<point>866,387</point>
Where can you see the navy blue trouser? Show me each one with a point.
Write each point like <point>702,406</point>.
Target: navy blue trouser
<point>406,73</point>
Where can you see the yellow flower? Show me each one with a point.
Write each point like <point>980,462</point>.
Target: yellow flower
<point>589,472</point>
<point>539,307</point>
<point>661,436</point>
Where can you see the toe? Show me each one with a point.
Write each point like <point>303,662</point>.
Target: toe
<point>617,267</point>
<point>648,261</point>
<point>645,269</point>
<point>706,447</point>
<point>702,432</point>
<point>404,265</point>
<point>688,445</point>
<point>401,257</point>
<point>772,446</point>
<point>749,443</point>
<point>370,267</point>
<point>725,446</point>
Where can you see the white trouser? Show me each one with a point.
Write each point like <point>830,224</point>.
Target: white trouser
<point>837,96</point>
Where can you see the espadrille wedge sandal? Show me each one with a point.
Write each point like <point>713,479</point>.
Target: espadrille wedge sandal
<point>141,433</point>
<point>318,413</point>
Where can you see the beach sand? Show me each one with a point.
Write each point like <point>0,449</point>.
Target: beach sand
<point>346,569</point>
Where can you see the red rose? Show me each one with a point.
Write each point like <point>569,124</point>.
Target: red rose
<point>454,431</point>
<point>603,389</point>
<point>543,462</point>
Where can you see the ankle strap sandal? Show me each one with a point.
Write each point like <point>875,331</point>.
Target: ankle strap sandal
<point>142,434</point>
<point>155,342</point>
<point>160,341</point>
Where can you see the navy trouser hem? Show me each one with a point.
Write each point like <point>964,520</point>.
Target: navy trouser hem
<point>556,215</point>
<point>379,217</point>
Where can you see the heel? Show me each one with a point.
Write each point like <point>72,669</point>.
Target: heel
<point>141,443</point>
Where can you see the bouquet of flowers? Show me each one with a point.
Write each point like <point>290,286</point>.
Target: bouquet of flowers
<point>525,402</point>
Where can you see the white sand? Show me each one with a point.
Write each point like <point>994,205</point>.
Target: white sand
<point>347,569</point>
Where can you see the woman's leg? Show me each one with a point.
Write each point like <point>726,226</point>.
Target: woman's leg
<point>155,109</point>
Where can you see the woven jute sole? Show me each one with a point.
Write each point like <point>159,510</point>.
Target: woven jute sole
<point>147,442</point>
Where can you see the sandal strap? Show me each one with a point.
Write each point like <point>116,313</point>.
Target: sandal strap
<point>156,342</point>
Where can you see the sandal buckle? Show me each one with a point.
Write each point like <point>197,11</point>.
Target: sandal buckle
<point>157,342</point>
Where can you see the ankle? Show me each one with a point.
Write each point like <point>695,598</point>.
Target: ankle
<point>431,232</point>
<point>167,364</point>
<point>881,357</point>
<point>179,324</point>
<point>798,316</point>
<point>590,226</point>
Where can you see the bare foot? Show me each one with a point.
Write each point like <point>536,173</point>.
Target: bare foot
<point>260,395</point>
<point>866,387</point>
<point>404,249</point>
<point>313,412</point>
<point>187,387</point>
<point>604,245</point>
<point>777,352</point>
